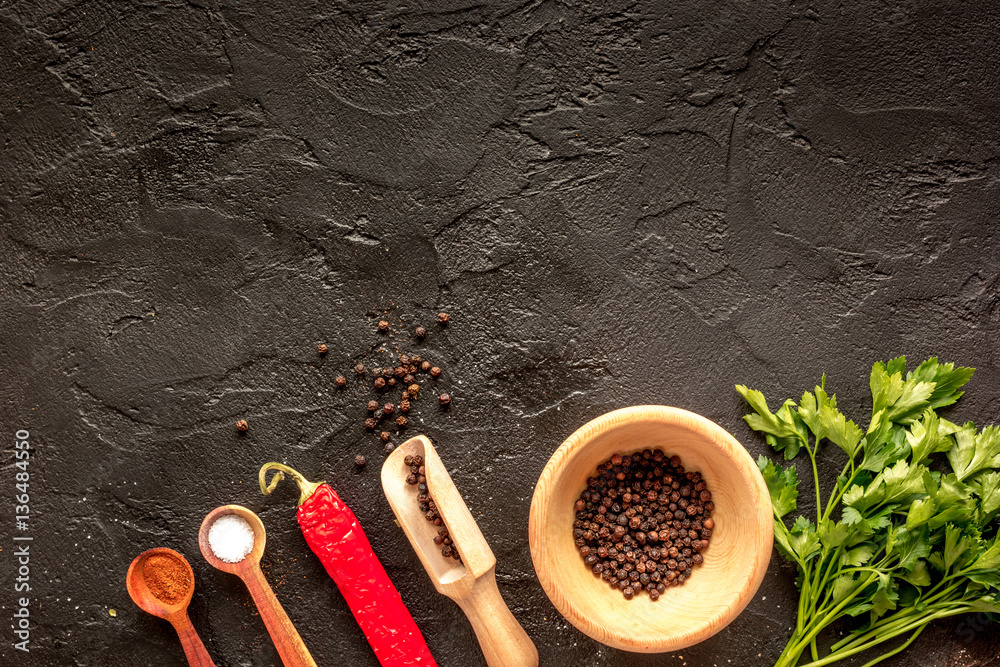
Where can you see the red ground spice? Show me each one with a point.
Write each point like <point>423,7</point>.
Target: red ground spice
<point>166,577</point>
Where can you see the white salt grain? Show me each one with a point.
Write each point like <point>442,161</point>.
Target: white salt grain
<point>231,538</point>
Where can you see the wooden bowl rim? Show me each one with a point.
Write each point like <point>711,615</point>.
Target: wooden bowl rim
<point>725,445</point>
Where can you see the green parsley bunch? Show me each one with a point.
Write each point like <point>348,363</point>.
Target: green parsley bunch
<point>907,533</point>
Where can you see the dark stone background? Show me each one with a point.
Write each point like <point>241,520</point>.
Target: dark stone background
<point>619,203</point>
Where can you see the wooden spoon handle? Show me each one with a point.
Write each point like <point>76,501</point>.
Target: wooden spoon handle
<point>291,649</point>
<point>194,650</point>
<point>502,639</point>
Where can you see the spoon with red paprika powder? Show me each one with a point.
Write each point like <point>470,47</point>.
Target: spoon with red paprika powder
<point>335,536</point>
<point>161,582</point>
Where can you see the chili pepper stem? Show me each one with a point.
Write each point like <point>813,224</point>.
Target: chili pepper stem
<point>306,488</point>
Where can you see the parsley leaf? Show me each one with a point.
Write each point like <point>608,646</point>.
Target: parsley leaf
<point>915,540</point>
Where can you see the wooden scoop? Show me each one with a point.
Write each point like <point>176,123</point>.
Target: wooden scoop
<point>286,638</point>
<point>176,613</point>
<point>472,583</point>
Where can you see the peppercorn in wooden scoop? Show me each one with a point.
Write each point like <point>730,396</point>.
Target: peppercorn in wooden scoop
<point>161,582</point>
<point>470,581</point>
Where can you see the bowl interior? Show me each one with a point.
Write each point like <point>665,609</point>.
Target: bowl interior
<point>735,560</point>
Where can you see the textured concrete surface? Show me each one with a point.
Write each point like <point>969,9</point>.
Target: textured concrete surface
<point>619,203</point>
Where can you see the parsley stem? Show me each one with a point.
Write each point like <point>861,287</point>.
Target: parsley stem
<point>819,500</point>
<point>821,622</point>
<point>921,621</point>
<point>902,615</point>
<point>889,654</point>
<point>837,494</point>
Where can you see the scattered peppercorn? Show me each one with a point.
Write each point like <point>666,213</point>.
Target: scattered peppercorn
<point>370,424</point>
<point>383,325</point>
<point>379,383</point>
<point>409,379</point>
<point>322,348</point>
<point>415,359</point>
<point>242,426</point>
<point>641,523</point>
<point>414,389</point>
<point>443,318</point>
<point>444,399</point>
<point>404,405</point>
<point>391,382</point>
<point>401,421</point>
<point>435,372</point>
<point>425,366</point>
<point>420,332</point>
<point>385,435</point>
<point>340,381</point>
<point>388,408</point>
<point>404,360</point>
<point>359,369</point>
<point>389,447</point>
<point>360,460</point>
<point>372,406</point>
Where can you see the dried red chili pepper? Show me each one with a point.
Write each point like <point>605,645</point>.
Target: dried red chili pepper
<point>335,536</point>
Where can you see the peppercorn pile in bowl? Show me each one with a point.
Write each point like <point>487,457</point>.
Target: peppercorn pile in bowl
<point>650,528</point>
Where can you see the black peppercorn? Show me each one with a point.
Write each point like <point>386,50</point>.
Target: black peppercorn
<point>383,325</point>
<point>322,348</point>
<point>370,424</point>
<point>385,435</point>
<point>242,426</point>
<point>372,406</point>
<point>360,461</point>
<point>401,421</point>
<point>425,366</point>
<point>443,318</point>
<point>413,389</point>
<point>408,379</point>
<point>360,369</point>
<point>652,510</point>
<point>340,381</point>
<point>444,399</point>
<point>420,332</point>
<point>379,383</point>
<point>391,382</point>
<point>435,372</point>
<point>404,405</point>
<point>388,408</point>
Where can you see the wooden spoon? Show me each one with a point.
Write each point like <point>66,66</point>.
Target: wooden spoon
<point>291,649</point>
<point>472,583</point>
<point>176,613</point>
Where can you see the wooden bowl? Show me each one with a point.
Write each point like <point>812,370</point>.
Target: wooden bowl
<point>735,560</point>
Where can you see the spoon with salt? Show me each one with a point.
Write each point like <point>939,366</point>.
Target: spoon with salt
<point>147,587</point>
<point>230,549</point>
